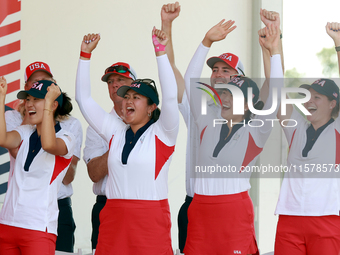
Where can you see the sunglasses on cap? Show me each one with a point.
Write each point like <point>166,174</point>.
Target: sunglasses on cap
<point>148,82</point>
<point>119,69</point>
<point>237,75</point>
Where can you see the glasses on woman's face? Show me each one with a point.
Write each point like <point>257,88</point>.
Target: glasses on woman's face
<point>119,69</point>
<point>146,81</point>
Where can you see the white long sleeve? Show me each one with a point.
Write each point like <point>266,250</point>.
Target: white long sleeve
<point>276,81</point>
<point>91,111</point>
<point>194,71</point>
<point>169,117</point>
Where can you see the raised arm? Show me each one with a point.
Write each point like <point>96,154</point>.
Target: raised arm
<point>91,111</point>
<point>49,142</point>
<point>169,13</point>
<point>215,34</point>
<point>271,18</point>
<point>268,18</point>
<point>9,140</point>
<point>169,117</point>
<point>271,42</point>
<point>333,30</point>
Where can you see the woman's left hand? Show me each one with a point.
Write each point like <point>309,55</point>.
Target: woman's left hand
<point>53,92</point>
<point>159,37</point>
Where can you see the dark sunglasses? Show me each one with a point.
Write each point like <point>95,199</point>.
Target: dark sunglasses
<point>119,69</point>
<point>147,81</point>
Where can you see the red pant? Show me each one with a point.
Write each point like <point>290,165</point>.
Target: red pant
<point>20,241</point>
<point>312,235</point>
<point>221,224</point>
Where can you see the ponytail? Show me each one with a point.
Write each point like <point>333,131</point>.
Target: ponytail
<point>64,110</point>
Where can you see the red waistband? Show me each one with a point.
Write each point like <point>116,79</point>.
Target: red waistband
<point>136,203</point>
<point>220,198</point>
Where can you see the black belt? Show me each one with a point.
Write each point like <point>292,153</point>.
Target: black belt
<point>64,202</point>
<point>101,199</point>
<point>188,199</point>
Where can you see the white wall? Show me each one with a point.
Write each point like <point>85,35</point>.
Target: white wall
<point>52,32</point>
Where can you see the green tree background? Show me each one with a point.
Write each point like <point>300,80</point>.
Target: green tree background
<point>329,63</point>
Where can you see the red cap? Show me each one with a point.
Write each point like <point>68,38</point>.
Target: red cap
<point>230,59</point>
<point>130,73</point>
<point>37,66</point>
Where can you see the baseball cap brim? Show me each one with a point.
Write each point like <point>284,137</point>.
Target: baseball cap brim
<point>106,76</point>
<point>318,89</point>
<point>213,60</point>
<point>24,93</point>
<point>146,91</point>
<point>40,70</point>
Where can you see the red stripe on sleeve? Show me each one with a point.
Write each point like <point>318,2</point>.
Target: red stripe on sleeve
<point>110,142</point>
<point>291,141</point>
<point>60,164</point>
<point>252,151</point>
<point>202,133</point>
<point>163,153</point>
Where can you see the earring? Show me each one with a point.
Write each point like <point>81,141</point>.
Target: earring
<point>149,114</point>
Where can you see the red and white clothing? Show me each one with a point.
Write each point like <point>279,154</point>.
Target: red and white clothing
<point>71,124</point>
<point>31,198</point>
<point>143,180</point>
<point>245,145</point>
<point>145,175</point>
<point>220,192</point>
<point>317,192</point>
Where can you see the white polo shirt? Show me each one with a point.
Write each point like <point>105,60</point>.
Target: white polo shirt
<point>31,198</point>
<point>14,119</point>
<point>225,173</point>
<point>145,175</point>
<point>307,192</point>
<point>96,146</point>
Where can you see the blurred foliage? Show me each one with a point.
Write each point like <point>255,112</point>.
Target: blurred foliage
<point>329,62</point>
<point>293,79</point>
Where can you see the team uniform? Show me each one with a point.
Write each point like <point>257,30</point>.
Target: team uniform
<point>137,184</point>
<point>96,146</point>
<point>66,225</point>
<point>309,200</point>
<point>30,206</point>
<point>221,212</point>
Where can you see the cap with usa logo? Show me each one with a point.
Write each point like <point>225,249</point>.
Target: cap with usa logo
<point>37,66</point>
<point>39,90</point>
<point>230,59</point>
<point>325,87</point>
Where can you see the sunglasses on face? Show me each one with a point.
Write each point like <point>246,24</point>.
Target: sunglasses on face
<point>119,69</point>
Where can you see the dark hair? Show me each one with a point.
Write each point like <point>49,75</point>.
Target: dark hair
<point>335,110</point>
<point>157,112</point>
<point>65,109</point>
<point>258,106</point>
